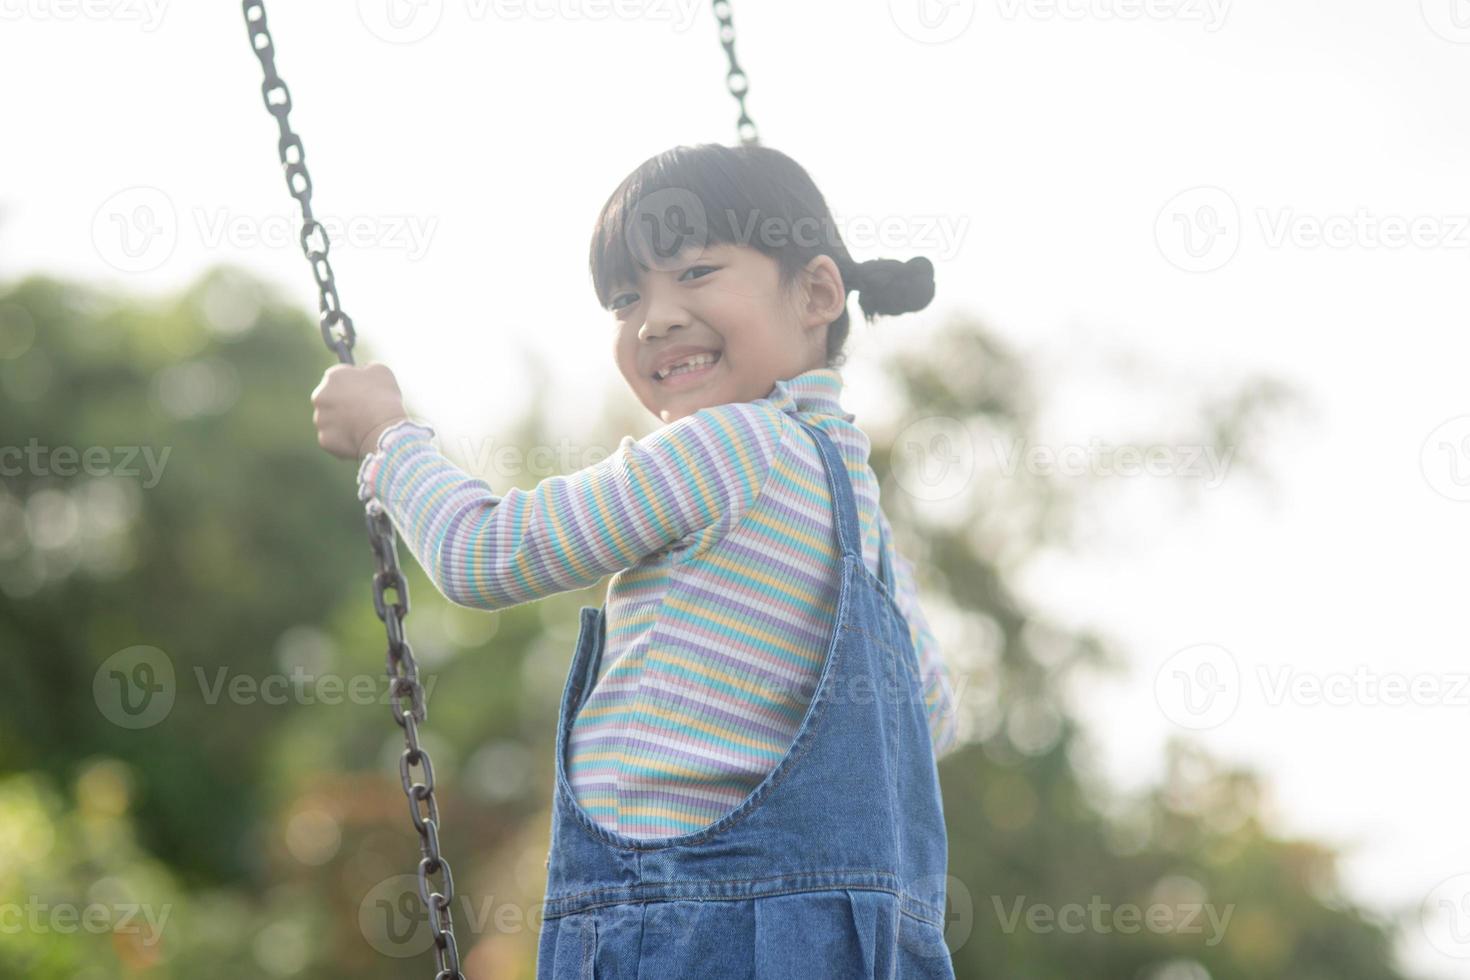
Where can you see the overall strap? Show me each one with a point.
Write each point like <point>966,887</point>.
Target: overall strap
<point>885,566</point>
<point>841,485</point>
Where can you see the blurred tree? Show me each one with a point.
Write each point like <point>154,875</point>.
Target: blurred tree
<point>258,819</point>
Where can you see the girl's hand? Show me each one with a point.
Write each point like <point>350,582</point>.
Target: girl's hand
<point>353,405</point>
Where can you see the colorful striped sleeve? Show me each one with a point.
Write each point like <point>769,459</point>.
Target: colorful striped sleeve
<point>689,481</point>
<point>939,697</point>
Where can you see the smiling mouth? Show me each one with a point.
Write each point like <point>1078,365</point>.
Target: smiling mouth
<point>682,371</point>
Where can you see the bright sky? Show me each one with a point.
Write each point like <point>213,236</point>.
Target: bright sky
<point>1216,187</point>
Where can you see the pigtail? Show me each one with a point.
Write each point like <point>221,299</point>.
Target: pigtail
<point>888,287</point>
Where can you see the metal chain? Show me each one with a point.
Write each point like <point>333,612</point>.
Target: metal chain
<point>735,79</point>
<point>407,697</point>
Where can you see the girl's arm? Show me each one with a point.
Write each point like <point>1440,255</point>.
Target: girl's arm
<point>939,698</point>
<point>684,485</point>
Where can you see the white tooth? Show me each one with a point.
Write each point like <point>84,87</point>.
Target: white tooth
<point>687,364</point>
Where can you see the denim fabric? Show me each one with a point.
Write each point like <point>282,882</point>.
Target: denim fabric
<point>833,867</point>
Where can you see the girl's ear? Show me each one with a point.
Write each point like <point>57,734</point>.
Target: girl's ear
<point>823,297</point>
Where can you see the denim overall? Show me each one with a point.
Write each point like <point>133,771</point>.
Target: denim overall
<point>833,868</point>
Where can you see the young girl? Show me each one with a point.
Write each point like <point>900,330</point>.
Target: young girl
<point>745,758</point>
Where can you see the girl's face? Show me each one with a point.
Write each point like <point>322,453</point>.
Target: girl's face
<point>724,301</point>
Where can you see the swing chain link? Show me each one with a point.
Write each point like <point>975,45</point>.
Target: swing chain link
<point>337,330</point>
<point>406,693</point>
<point>735,79</point>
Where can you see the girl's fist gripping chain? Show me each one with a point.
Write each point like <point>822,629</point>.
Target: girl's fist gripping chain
<point>353,405</point>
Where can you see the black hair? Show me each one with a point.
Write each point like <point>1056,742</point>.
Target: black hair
<point>743,195</point>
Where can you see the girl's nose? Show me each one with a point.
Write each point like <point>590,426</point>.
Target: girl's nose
<point>662,317</point>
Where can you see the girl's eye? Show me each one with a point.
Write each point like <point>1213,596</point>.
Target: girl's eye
<point>615,304</point>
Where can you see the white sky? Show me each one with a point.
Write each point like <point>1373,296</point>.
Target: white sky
<point>1052,139</point>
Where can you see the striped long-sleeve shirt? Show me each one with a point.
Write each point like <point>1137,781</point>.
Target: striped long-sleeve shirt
<point>718,532</point>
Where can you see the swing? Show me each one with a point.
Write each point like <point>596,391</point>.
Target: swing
<point>406,693</point>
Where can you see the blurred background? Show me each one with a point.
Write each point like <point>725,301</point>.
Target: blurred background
<point>1181,453</point>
